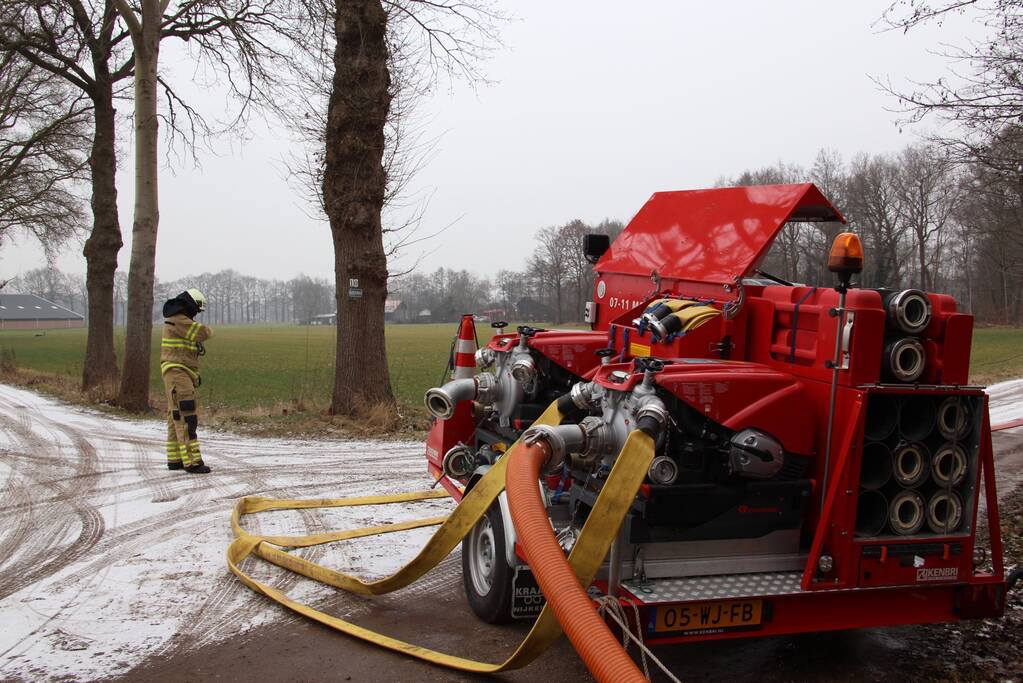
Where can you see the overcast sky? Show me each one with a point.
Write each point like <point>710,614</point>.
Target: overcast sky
<point>593,107</point>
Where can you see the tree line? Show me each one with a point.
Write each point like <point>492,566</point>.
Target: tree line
<point>552,287</point>
<point>232,297</point>
<point>926,221</point>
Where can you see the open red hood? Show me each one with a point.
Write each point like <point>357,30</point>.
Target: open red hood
<point>711,236</point>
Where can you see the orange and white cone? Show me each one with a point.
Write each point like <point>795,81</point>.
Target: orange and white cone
<point>465,350</point>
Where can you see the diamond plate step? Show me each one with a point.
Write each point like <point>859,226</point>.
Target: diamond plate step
<point>718,587</point>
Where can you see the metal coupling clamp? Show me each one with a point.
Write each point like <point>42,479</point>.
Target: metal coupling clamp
<point>583,395</point>
<point>560,440</point>
<point>523,368</point>
<point>486,388</point>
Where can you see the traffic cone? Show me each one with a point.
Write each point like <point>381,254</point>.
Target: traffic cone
<point>465,350</point>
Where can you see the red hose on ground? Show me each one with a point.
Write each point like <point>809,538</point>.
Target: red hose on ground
<point>599,650</point>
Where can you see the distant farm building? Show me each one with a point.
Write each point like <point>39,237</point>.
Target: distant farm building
<point>29,312</point>
<point>496,314</point>
<point>395,311</point>
<point>324,319</point>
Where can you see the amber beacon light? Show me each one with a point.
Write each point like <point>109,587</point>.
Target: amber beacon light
<point>846,257</point>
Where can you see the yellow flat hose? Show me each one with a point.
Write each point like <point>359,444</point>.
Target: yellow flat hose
<point>693,316</point>
<point>672,306</point>
<point>587,555</point>
<point>677,305</point>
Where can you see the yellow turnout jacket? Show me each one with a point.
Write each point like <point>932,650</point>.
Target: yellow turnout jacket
<point>179,347</point>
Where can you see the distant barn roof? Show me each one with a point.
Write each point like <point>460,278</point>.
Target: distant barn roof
<point>31,307</point>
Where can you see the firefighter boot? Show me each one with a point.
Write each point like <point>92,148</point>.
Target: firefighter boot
<point>193,456</point>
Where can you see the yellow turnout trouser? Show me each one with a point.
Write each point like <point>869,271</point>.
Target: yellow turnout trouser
<point>182,418</point>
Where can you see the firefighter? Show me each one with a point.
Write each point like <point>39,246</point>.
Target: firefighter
<point>180,348</point>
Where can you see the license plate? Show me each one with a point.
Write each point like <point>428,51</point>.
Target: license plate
<point>527,599</point>
<point>708,617</point>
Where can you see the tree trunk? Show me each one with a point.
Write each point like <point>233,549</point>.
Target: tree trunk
<point>925,283</point>
<point>134,393</point>
<point>101,248</point>
<point>557,294</point>
<point>354,184</point>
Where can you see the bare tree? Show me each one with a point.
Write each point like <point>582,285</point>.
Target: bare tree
<point>829,175</point>
<point>144,26</point>
<point>80,44</point>
<point>982,93</point>
<point>88,44</point>
<point>873,207</point>
<point>551,263</point>
<point>43,150</point>
<point>930,193</point>
<point>354,185</point>
<point>241,37</point>
<point>373,42</point>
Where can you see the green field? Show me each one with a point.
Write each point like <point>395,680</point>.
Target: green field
<point>250,366</point>
<point>997,354</point>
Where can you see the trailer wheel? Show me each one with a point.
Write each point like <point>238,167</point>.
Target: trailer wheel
<point>485,572</point>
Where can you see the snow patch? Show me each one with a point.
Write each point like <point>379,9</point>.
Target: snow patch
<point>145,570</point>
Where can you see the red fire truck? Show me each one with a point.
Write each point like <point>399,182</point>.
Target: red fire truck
<point>820,457</point>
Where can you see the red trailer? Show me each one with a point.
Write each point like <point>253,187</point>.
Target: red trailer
<point>820,458</point>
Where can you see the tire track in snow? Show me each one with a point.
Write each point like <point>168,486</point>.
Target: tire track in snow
<point>62,465</point>
<point>154,475</point>
<point>35,558</point>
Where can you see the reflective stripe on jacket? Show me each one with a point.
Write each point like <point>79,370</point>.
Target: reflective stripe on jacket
<point>179,345</point>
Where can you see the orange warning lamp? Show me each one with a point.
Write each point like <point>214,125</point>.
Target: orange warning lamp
<point>846,257</point>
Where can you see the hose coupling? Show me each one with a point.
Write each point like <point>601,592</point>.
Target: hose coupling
<point>557,441</point>
<point>651,416</point>
<point>487,388</point>
<point>583,395</point>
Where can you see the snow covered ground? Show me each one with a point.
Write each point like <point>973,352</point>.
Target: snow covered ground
<point>1006,401</point>
<point>108,558</point>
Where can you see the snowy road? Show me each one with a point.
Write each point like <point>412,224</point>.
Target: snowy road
<point>108,558</point>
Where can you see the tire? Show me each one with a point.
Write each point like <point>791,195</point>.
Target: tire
<point>486,575</point>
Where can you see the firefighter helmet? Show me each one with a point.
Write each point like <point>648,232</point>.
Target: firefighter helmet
<point>198,298</point>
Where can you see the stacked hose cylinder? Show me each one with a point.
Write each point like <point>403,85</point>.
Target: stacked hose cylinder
<point>908,315</point>
<point>918,465</point>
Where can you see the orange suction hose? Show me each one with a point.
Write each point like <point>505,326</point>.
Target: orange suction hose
<point>600,651</point>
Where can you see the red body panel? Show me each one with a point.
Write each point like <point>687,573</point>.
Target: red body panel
<point>698,242</point>
<point>445,435</point>
<point>573,350</point>
<point>710,236</point>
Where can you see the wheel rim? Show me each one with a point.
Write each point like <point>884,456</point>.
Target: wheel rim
<point>483,556</point>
